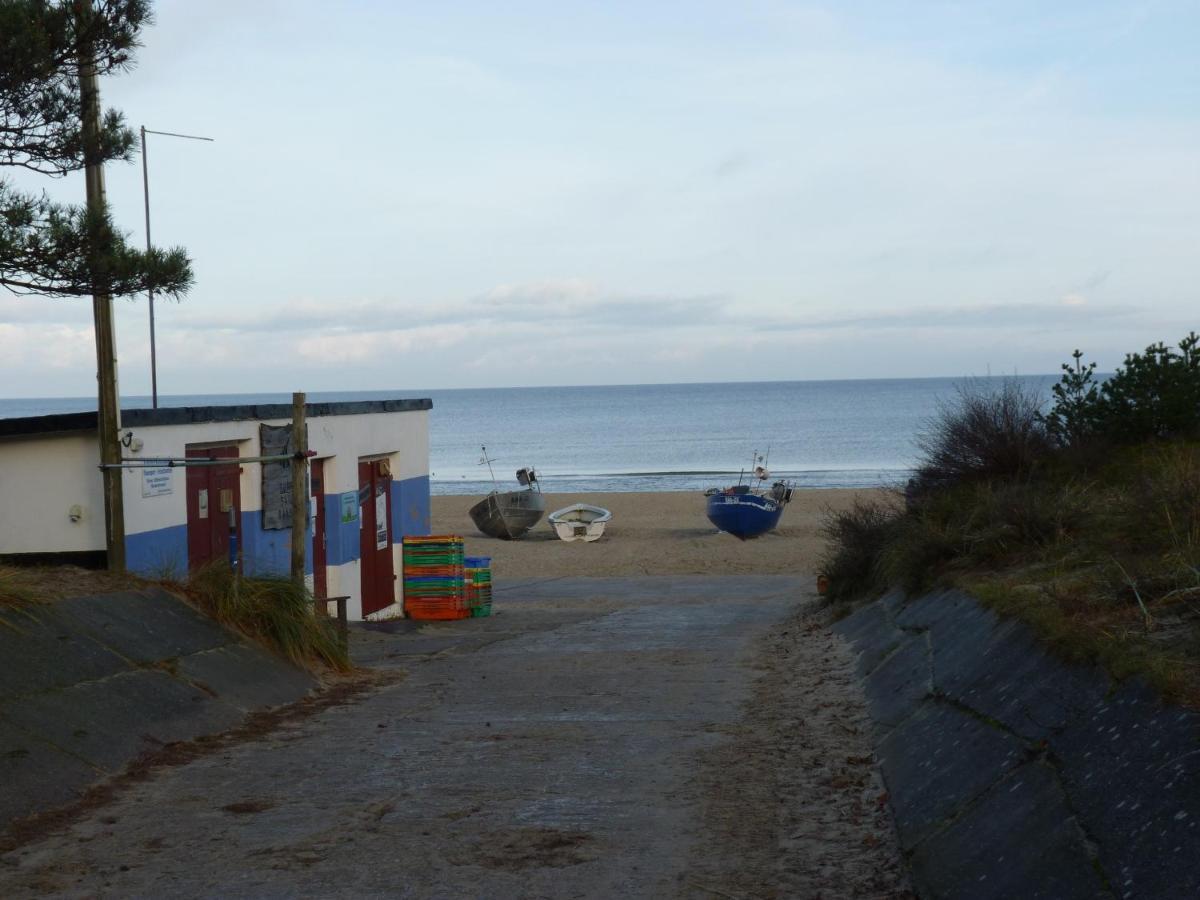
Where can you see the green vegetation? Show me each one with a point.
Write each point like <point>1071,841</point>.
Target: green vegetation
<point>275,612</point>
<point>1083,520</point>
<point>46,247</point>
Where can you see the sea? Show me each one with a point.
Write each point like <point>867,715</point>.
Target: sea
<point>654,437</point>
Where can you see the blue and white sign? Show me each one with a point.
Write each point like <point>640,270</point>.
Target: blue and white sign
<point>157,482</point>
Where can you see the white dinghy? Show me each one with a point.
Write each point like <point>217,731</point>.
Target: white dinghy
<point>579,522</point>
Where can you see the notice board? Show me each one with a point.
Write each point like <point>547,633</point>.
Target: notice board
<point>276,440</point>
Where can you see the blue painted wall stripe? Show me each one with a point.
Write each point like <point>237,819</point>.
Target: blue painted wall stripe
<point>164,551</point>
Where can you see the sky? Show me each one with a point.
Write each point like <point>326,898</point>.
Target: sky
<point>411,196</point>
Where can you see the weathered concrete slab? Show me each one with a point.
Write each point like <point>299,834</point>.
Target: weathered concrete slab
<point>110,722</point>
<point>144,626</point>
<point>1013,680</point>
<point>1132,769</point>
<point>36,775</point>
<point>873,634</point>
<point>1125,769</point>
<point>938,762</point>
<point>1018,840</point>
<point>88,685</point>
<point>40,649</point>
<point>245,677</point>
<point>898,684</point>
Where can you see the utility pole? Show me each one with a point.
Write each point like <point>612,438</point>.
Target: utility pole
<point>150,291</point>
<point>108,419</point>
<point>299,487</point>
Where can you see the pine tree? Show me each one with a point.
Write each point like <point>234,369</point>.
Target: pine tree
<point>52,53</point>
<point>45,247</point>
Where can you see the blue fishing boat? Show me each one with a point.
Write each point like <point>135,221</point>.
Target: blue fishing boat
<point>744,511</point>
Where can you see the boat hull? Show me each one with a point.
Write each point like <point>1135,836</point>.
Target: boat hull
<point>508,515</point>
<point>580,522</point>
<point>744,516</point>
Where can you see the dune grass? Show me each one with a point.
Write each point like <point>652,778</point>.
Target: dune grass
<point>274,611</point>
<point>1100,554</point>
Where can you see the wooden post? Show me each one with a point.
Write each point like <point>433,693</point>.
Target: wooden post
<point>108,419</point>
<point>299,488</point>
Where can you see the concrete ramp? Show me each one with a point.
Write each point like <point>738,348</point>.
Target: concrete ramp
<point>88,685</point>
<point>1014,774</point>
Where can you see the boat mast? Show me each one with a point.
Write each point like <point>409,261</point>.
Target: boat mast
<point>484,461</point>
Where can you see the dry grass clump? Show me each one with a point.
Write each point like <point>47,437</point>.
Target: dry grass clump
<point>26,585</point>
<point>275,612</point>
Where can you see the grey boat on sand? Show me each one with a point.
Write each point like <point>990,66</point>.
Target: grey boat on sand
<point>509,514</point>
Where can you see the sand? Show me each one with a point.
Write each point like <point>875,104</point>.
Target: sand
<point>651,534</point>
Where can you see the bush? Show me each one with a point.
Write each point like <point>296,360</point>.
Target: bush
<point>989,432</point>
<point>855,542</point>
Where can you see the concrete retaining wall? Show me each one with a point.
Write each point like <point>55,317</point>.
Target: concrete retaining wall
<point>87,685</point>
<point>1013,774</point>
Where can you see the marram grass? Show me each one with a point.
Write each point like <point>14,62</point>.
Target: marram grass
<point>275,612</point>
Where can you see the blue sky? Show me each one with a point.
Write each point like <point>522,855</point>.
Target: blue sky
<point>406,196</point>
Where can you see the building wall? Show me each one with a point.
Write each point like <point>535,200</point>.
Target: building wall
<point>42,478</point>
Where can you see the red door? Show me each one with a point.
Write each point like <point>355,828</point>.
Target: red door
<point>319,553</point>
<point>214,506</point>
<point>375,499</point>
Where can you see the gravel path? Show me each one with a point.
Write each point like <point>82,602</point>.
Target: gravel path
<point>605,737</point>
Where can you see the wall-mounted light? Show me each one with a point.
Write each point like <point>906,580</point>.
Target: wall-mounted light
<point>75,513</point>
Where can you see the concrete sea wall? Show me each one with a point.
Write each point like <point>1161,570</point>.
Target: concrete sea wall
<point>1014,774</point>
<point>89,684</point>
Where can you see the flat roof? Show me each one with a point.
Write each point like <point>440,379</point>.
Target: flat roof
<point>189,415</point>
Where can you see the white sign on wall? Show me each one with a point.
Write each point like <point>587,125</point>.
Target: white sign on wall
<point>157,482</point>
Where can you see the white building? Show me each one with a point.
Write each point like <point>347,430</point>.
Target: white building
<point>370,486</point>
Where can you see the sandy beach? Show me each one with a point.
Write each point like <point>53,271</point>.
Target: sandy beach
<point>651,534</point>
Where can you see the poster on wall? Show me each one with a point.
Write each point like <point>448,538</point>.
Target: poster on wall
<point>381,524</point>
<point>349,507</point>
<point>276,440</point>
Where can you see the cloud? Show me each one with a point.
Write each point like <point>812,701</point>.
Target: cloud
<point>1016,315</point>
<point>581,302</point>
<point>731,165</point>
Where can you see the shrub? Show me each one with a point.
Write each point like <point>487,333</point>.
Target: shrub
<point>989,432</point>
<point>856,538</point>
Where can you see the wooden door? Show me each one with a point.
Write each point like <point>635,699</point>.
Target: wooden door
<point>320,551</point>
<point>375,516</point>
<point>214,506</point>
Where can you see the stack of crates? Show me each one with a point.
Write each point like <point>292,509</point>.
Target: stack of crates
<point>479,585</point>
<point>435,578</point>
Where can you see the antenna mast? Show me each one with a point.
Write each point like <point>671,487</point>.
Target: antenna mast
<point>484,461</point>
